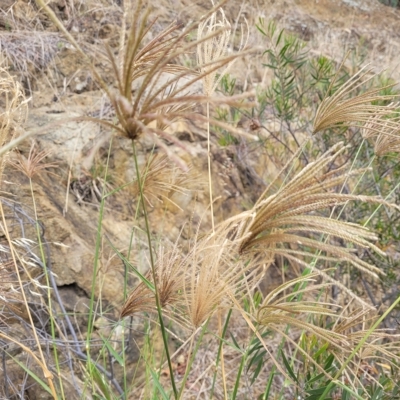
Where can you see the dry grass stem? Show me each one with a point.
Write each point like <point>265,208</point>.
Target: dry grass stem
<point>211,51</point>
<point>30,53</point>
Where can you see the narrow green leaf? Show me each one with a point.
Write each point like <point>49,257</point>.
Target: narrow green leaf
<point>158,384</point>
<point>112,351</point>
<point>32,374</point>
<point>98,378</point>
<point>329,362</point>
<point>288,367</point>
<point>279,37</point>
<point>235,343</point>
<point>353,395</point>
<point>139,275</point>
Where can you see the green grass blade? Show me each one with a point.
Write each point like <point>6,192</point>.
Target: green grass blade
<point>32,374</point>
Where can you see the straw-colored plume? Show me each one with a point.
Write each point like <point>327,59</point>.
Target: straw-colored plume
<point>384,133</point>
<point>213,36</point>
<point>211,275</point>
<point>34,164</point>
<point>169,283</point>
<point>289,223</point>
<point>161,179</point>
<point>214,49</point>
<point>278,309</point>
<point>340,109</point>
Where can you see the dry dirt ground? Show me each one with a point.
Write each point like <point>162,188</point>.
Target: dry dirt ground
<point>60,88</point>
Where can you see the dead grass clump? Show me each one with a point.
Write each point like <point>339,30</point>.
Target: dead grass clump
<point>13,110</point>
<point>30,52</point>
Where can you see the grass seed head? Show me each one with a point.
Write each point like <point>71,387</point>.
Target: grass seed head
<point>384,133</point>
<point>340,109</point>
<point>287,223</point>
<point>161,179</point>
<point>169,275</point>
<point>32,165</point>
<point>214,35</point>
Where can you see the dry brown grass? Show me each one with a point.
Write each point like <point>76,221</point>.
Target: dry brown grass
<point>13,115</point>
<point>290,220</point>
<point>30,54</point>
<point>13,111</point>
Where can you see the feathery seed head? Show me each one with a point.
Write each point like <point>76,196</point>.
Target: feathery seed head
<point>161,179</point>
<point>169,274</point>
<point>384,132</point>
<point>213,49</point>
<point>213,36</point>
<point>339,109</point>
<point>32,165</point>
<point>286,223</point>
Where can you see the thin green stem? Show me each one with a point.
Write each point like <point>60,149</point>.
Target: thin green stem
<point>380,205</point>
<point>192,356</point>
<point>153,270</point>
<point>221,342</point>
<point>96,260</point>
<point>49,303</point>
